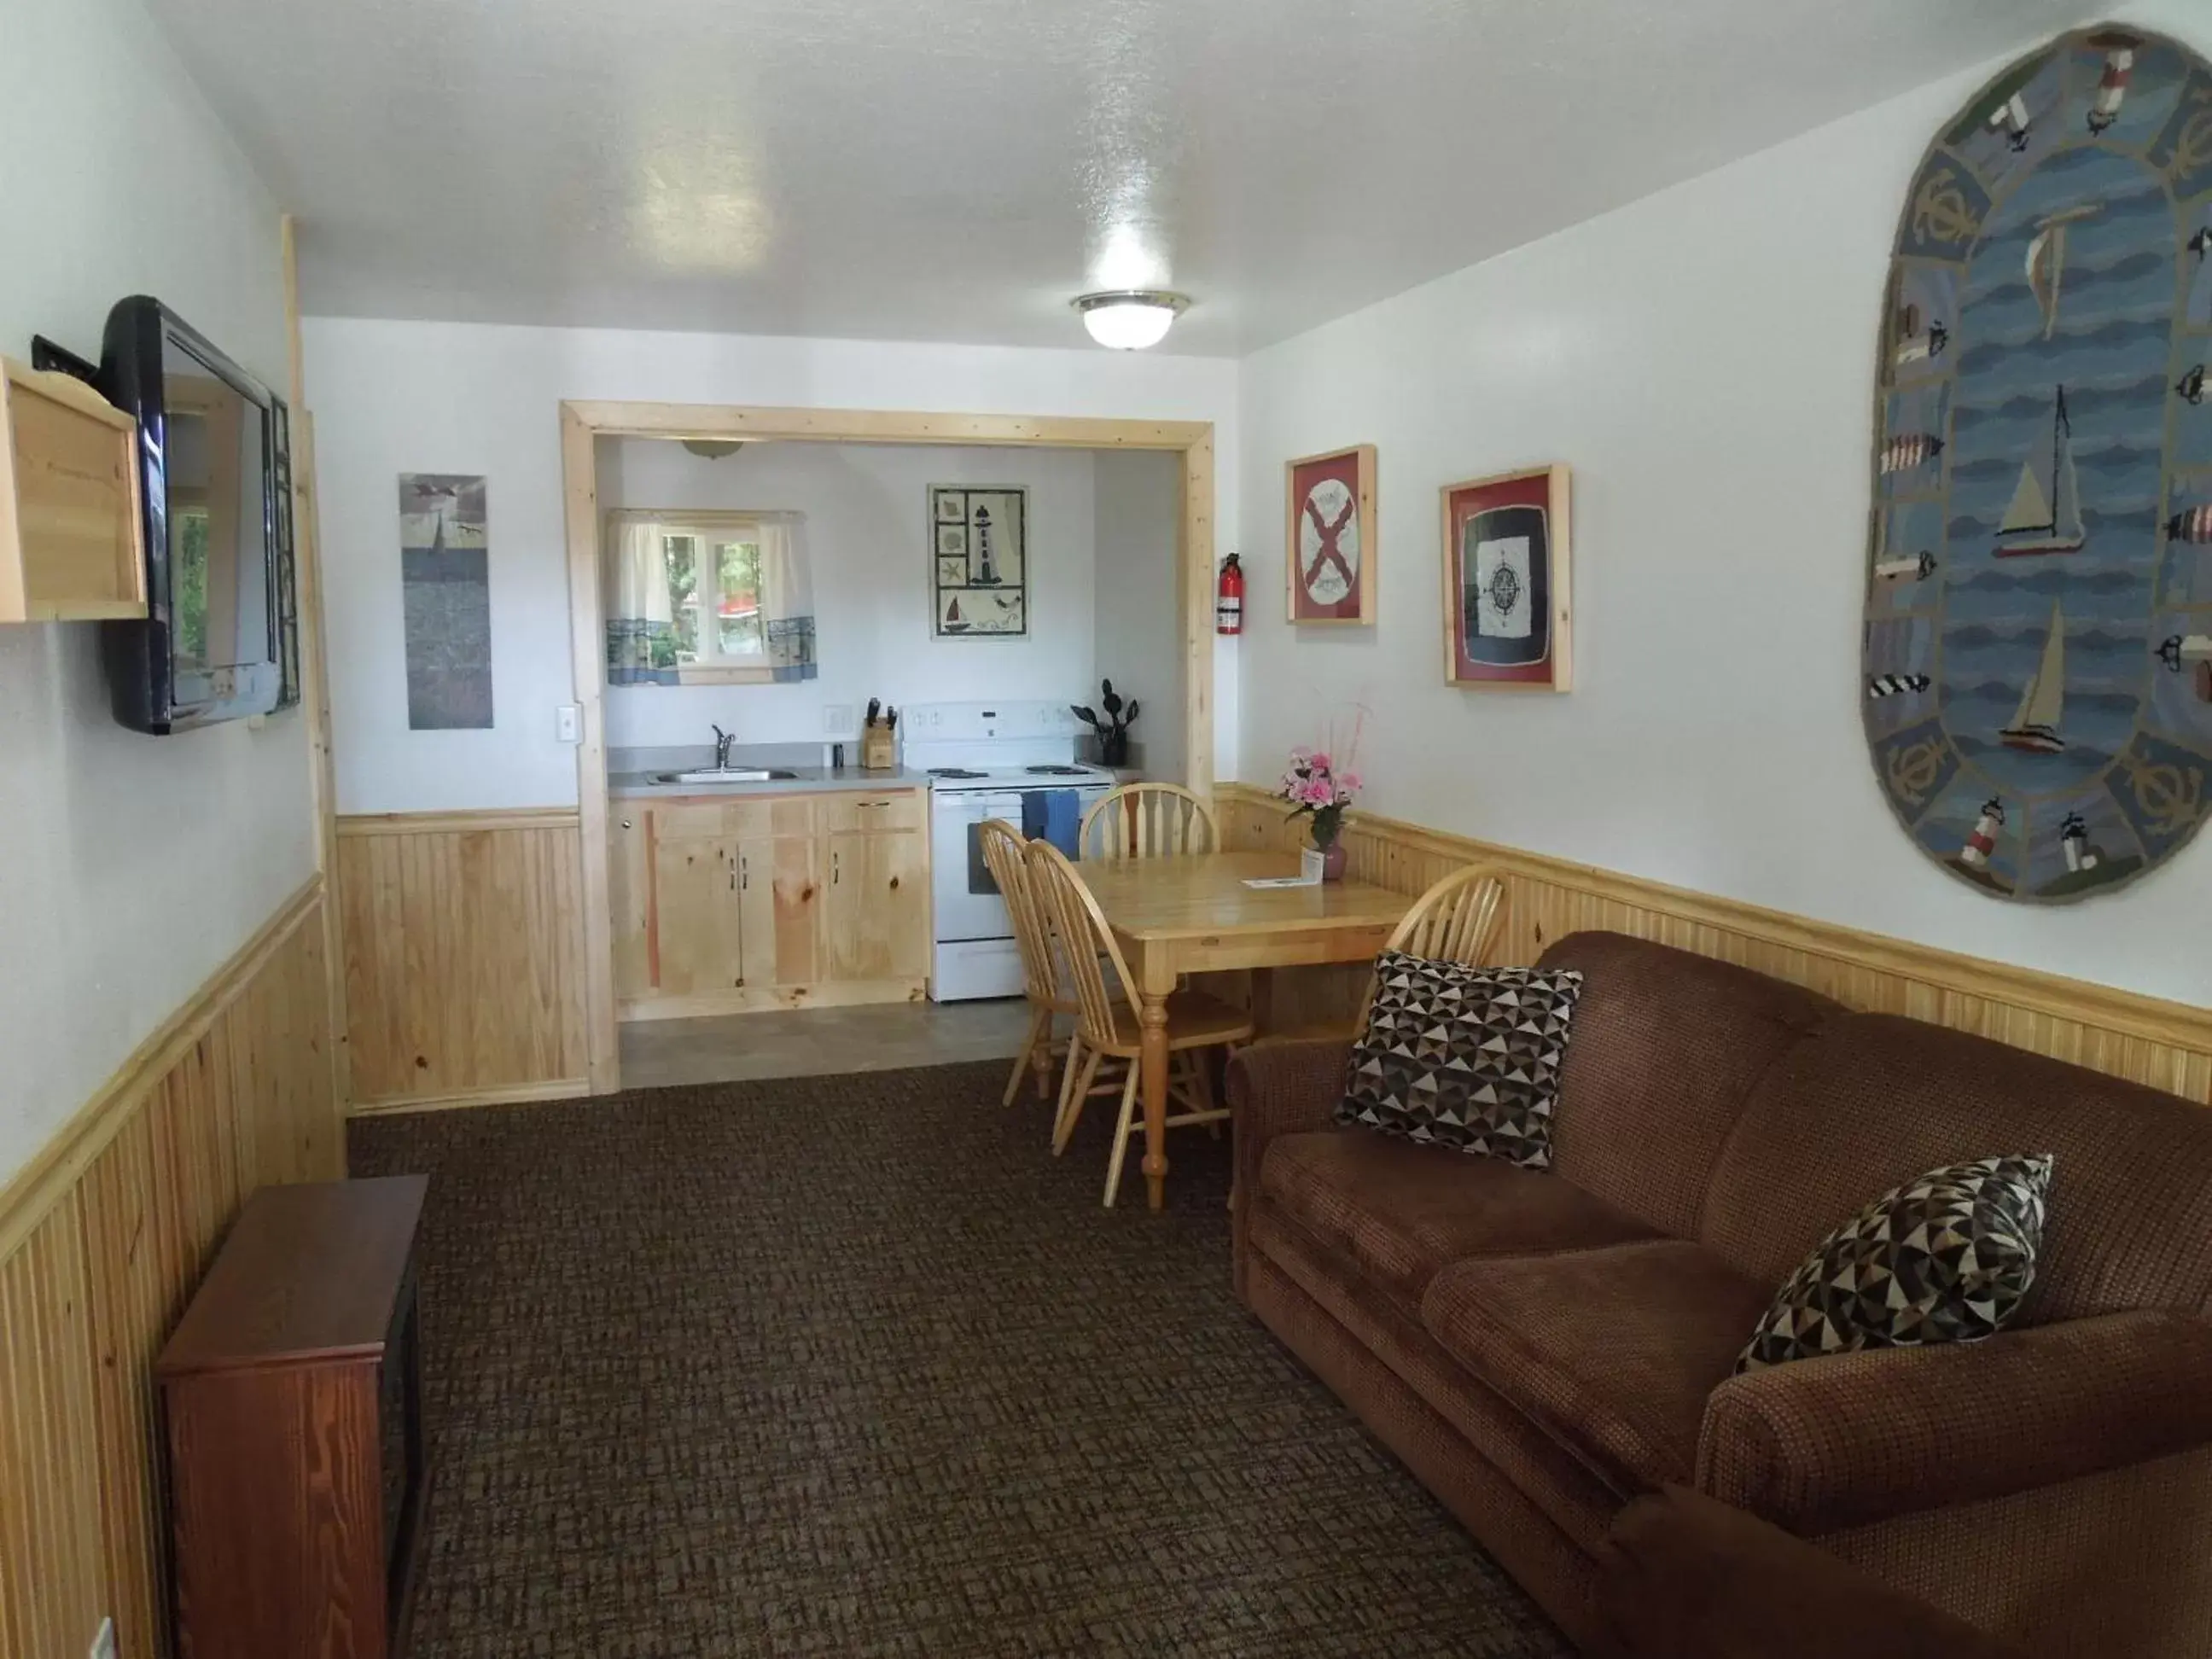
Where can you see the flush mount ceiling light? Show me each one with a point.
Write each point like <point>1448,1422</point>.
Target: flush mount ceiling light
<point>1130,318</point>
<point>713,449</point>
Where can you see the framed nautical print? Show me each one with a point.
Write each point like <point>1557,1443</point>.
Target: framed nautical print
<point>979,561</point>
<point>2037,673</point>
<point>1507,626</point>
<point>1330,532</point>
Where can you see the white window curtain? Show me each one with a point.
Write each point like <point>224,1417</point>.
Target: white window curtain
<point>640,628</point>
<point>786,597</point>
<point>641,624</point>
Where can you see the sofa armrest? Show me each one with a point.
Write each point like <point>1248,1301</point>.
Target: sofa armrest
<point>1821,1444</point>
<point>1683,1577</point>
<point>1277,1089</point>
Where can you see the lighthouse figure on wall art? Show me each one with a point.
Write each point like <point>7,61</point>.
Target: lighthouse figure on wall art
<point>987,569</point>
<point>2081,853</point>
<point>2119,49</point>
<point>1982,840</point>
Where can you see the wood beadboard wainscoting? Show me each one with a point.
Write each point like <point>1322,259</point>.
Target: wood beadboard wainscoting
<point>2167,1045</point>
<point>103,1239</point>
<point>464,942</point>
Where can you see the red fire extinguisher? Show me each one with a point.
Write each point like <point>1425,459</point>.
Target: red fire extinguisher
<point>1229,601</point>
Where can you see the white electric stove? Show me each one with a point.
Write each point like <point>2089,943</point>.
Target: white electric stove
<point>984,760</point>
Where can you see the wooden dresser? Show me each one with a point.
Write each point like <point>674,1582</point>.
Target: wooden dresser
<point>292,1395</point>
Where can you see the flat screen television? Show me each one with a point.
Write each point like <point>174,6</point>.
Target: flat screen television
<point>221,636</point>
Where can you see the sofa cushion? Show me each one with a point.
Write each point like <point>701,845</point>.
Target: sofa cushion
<point>1873,1100</point>
<point>1667,1047</point>
<point>1572,1497</point>
<point>1615,1350</point>
<point>1945,1258</point>
<point>1401,1211</point>
<point>1461,1056</point>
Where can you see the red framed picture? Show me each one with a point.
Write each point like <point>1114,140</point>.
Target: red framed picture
<point>1329,532</point>
<point>1507,622</point>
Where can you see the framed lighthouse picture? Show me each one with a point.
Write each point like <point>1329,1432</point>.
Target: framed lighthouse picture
<point>1329,531</point>
<point>979,561</point>
<point>1507,622</point>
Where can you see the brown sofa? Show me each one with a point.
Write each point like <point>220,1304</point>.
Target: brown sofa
<point>1543,1348</point>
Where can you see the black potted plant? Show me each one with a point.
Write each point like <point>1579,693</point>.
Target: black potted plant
<point>1114,730</point>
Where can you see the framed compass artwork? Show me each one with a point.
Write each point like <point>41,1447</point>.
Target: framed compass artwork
<point>1507,622</point>
<point>1329,528</point>
<point>2037,672</point>
<point>979,561</point>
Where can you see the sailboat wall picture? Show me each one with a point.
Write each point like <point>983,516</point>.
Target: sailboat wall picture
<point>2036,677</point>
<point>979,561</point>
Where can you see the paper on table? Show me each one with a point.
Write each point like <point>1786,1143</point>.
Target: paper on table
<point>1282,881</point>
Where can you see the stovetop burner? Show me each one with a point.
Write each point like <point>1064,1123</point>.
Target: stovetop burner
<point>954,772</point>
<point>1058,771</point>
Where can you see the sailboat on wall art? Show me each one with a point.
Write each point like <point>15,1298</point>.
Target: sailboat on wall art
<point>2045,513</point>
<point>2036,678</point>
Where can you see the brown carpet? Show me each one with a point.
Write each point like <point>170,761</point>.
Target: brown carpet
<point>851,1366</point>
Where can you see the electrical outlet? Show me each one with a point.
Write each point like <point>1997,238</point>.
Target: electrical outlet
<point>568,723</point>
<point>838,720</point>
<point>103,1645</point>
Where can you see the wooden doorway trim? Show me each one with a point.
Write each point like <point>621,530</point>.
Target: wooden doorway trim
<point>583,422</point>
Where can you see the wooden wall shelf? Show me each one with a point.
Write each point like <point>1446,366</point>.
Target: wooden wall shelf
<point>71,547</point>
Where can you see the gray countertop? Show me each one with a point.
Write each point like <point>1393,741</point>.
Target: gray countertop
<point>634,785</point>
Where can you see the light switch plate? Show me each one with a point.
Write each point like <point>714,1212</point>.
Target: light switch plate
<point>838,720</point>
<point>568,722</point>
<point>103,1645</point>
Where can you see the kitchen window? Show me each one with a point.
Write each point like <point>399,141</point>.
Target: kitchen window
<point>714,594</point>
<point>704,599</point>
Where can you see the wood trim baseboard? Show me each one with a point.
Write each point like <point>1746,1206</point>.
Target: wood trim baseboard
<point>35,1188</point>
<point>458,823</point>
<point>830,994</point>
<point>2050,996</point>
<point>516,1094</point>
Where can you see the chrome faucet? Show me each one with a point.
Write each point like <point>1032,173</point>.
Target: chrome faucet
<point>722,742</point>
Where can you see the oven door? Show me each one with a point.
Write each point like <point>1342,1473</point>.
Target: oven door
<point>968,904</point>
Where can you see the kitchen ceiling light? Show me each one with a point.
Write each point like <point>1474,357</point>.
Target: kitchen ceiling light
<point>1130,318</point>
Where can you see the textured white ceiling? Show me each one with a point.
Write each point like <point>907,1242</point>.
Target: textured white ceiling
<point>959,169</point>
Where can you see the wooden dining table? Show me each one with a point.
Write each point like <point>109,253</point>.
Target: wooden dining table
<point>1194,914</point>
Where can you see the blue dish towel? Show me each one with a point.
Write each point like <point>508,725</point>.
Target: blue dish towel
<point>1051,815</point>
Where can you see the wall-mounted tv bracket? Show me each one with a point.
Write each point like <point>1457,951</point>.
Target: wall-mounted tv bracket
<point>58,359</point>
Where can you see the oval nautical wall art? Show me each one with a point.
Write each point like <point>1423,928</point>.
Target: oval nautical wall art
<point>2038,659</point>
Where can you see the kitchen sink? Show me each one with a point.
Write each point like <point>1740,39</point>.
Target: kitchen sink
<point>725,775</point>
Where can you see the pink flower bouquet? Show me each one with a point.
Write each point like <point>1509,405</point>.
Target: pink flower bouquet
<point>1315,789</point>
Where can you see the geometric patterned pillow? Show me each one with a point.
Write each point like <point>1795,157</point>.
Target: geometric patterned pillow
<point>1463,1057</point>
<point>1947,1258</point>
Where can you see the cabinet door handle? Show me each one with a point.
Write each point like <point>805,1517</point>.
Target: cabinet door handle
<point>835,872</point>
<point>744,875</point>
<point>625,823</point>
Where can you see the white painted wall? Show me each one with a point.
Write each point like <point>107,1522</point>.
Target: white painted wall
<point>1704,359</point>
<point>866,533</point>
<point>400,397</point>
<point>134,866</point>
<point>1140,508</point>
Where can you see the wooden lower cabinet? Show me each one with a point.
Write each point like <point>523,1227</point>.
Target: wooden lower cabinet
<point>877,920</point>
<point>778,901</point>
<point>753,903</point>
<point>697,946</point>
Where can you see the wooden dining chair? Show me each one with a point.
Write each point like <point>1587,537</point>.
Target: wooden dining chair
<point>1107,1030</point>
<point>1457,919</point>
<point>1006,855</point>
<point>1148,820</point>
